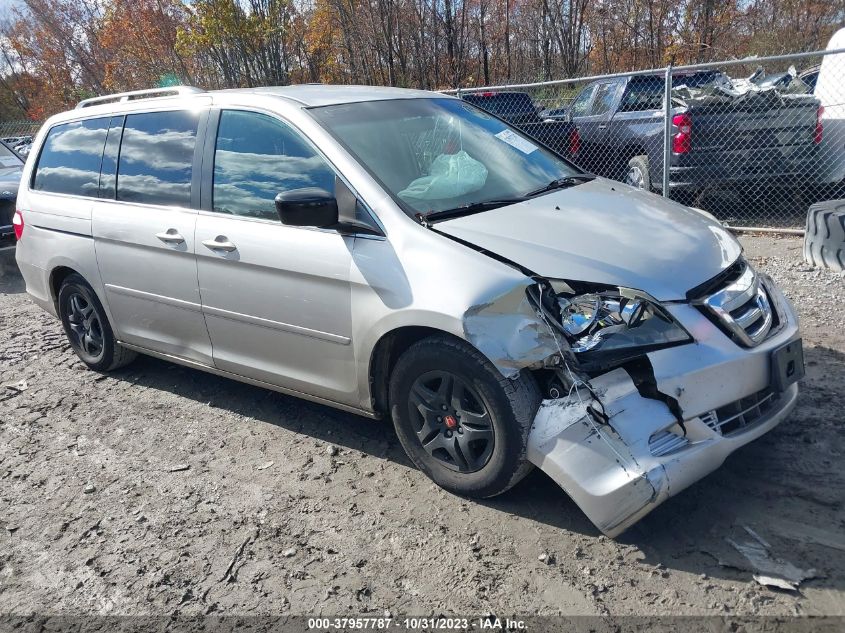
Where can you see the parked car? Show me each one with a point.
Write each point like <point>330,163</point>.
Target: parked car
<point>718,138</point>
<point>518,109</point>
<point>503,307</point>
<point>11,168</point>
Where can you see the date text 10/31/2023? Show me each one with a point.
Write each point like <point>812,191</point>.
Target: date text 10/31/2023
<point>415,623</point>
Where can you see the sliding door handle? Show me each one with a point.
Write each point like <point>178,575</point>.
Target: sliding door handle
<point>170,236</point>
<point>219,243</point>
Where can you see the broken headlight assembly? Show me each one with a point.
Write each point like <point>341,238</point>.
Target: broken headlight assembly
<point>610,326</point>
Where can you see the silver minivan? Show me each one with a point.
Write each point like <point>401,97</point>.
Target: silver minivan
<point>403,253</point>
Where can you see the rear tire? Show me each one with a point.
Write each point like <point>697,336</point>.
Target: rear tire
<point>459,420</point>
<point>87,328</point>
<point>638,173</point>
<point>824,237</point>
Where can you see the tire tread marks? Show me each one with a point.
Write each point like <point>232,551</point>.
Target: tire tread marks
<point>824,238</point>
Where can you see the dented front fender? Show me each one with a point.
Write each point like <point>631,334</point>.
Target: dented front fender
<point>510,331</point>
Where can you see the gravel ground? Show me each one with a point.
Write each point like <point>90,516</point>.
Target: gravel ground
<point>164,490</point>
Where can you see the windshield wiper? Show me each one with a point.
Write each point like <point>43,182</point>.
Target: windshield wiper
<point>561,183</point>
<point>486,205</point>
<point>469,209</point>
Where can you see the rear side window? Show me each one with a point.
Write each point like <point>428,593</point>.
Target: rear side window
<point>643,94</point>
<point>69,162</point>
<point>256,158</point>
<point>605,94</point>
<point>156,158</point>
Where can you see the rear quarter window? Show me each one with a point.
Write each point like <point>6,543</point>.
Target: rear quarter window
<point>69,162</point>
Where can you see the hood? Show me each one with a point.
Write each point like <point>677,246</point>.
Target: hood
<point>607,233</point>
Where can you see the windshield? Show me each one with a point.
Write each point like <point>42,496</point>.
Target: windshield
<point>438,154</point>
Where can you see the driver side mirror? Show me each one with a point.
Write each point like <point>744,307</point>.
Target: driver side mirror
<point>309,206</point>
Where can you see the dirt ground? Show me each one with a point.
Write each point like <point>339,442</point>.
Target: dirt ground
<point>164,490</point>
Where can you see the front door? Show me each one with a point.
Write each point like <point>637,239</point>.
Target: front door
<point>276,298</point>
<point>143,227</point>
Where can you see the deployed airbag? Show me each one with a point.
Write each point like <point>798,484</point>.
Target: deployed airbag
<point>451,175</point>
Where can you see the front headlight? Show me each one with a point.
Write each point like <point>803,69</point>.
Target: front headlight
<point>616,323</point>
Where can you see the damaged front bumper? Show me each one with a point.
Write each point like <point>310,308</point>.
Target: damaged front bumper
<point>630,454</point>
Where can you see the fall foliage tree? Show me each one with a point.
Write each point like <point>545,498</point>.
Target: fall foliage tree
<point>56,52</point>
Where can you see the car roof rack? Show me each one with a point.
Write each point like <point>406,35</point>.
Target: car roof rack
<point>150,93</point>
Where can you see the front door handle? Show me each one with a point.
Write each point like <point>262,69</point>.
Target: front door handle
<point>171,236</point>
<point>219,243</point>
<point>602,126</point>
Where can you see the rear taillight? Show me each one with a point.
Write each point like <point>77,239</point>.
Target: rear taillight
<point>17,222</point>
<point>574,142</point>
<point>817,137</point>
<point>682,141</point>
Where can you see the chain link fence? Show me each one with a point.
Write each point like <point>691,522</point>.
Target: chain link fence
<point>752,141</point>
<point>19,134</point>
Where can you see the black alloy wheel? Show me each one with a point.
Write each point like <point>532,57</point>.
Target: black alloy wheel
<point>459,419</point>
<point>85,330</point>
<point>451,421</point>
<point>87,327</point>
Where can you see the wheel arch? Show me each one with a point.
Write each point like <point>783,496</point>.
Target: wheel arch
<point>387,350</point>
<point>633,150</point>
<point>57,278</point>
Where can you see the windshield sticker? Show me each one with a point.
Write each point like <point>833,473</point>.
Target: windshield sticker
<point>514,140</point>
<point>8,161</point>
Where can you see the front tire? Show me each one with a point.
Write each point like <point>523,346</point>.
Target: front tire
<point>88,330</point>
<point>459,420</point>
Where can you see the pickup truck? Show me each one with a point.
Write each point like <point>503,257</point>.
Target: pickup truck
<point>518,109</point>
<point>716,141</point>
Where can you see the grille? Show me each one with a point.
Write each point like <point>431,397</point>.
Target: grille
<point>665,443</point>
<point>741,414</point>
<point>741,308</point>
<point>728,420</point>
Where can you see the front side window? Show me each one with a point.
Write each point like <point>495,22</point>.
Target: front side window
<point>440,154</point>
<point>156,158</point>
<point>69,162</point>
<point>581,105</point>
<point>258,157</point>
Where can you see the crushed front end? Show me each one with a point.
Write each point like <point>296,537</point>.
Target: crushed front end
<point>652,396</point>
